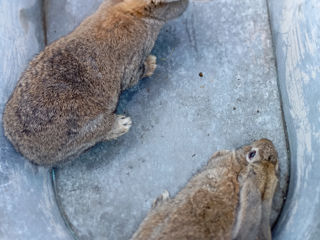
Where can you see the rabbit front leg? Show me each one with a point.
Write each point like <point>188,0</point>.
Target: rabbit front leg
<point>146,69</point>
<point>150,66</point>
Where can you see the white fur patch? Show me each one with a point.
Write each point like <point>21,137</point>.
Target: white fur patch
<point>255,158</point>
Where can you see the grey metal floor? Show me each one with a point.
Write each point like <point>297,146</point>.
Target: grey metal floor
<point>28,207</point>
<point>179,118</point>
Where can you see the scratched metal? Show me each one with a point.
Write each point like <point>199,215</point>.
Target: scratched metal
<point>179,118</point>
<point>296,31</point>
<point>28,208</point>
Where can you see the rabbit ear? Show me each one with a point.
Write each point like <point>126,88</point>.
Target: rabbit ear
<point>168,9</point>
<point>221,153</point>
<point>112,2</point>
<point>166,1</point>
<point>249,212</point>
<point>264,228</point>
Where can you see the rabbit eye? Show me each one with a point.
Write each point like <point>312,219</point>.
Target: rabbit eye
<point>252,154</point>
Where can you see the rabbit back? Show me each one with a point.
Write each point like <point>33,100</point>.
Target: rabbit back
<point>72,87</point>
<point>204,209</point>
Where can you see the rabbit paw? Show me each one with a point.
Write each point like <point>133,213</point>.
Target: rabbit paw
<point>162,198</point>
<point>150,65</point>
<point>121,125</point>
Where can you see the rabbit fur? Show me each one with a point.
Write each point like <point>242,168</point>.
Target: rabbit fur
<point>65,100</point>
<point>230,198</point>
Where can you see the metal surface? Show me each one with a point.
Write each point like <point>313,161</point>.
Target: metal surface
<point>296,33</point>
<point>179,118</point>
<point>27,204</point>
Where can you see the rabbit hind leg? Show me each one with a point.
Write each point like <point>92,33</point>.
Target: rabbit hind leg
<point>93,133</point>
<point>121,125</point>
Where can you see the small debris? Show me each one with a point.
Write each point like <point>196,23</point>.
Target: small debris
<point>234,108</point>
<point>200,74</point>
<point>202,86</point>
<point>193,155</point>
<point>258,111</point>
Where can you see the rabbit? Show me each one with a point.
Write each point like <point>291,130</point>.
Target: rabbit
<point>65,101</point>
<point>230,198</point>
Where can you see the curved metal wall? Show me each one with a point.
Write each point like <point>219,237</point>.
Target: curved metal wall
<point>296,35</point>
<point>27,204</point>
<point>26,199</point>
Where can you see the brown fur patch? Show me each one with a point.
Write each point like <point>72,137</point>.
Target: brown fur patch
<point>65,100</point>
<point>209,206</point>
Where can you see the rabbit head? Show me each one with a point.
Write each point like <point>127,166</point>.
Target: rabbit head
<point>257,182</point>
<point>159,9</point>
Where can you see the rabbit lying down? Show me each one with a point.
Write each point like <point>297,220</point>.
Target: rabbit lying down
<point>65,100</point>
<point>230,198</point>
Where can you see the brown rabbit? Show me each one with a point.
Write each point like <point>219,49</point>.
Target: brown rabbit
<point>65,101</point>
<point>230,198</point>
